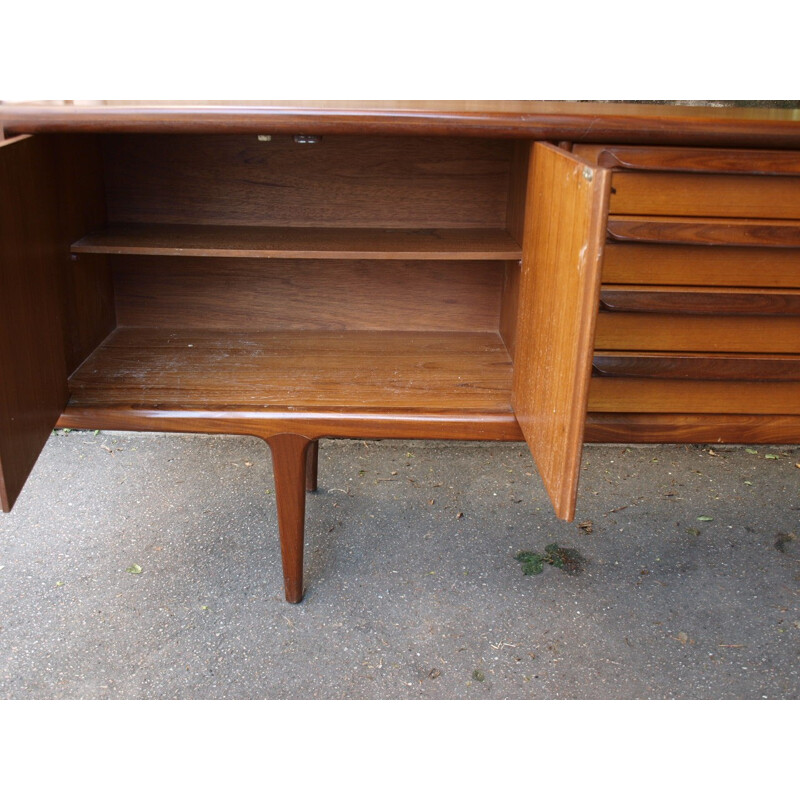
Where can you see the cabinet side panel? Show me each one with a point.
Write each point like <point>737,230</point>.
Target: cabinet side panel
<point>515,224</point>
<point>33,379</point>
<point>510,305</point>
<point>558,300</point>
<point>517,189</point>
<point>88,292</point>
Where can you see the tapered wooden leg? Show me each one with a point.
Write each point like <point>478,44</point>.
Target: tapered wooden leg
<point>312,460</point>
<point>289,465</point>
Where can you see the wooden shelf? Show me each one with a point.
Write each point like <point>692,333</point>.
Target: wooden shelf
<point>246,241</point>
<point>361,370</point>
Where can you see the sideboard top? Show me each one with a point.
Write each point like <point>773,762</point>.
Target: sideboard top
<point>574,121</point>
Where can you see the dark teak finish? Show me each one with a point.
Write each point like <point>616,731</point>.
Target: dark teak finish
<point>33,372</point>
<point>291,465</point>
<point>552,272</point>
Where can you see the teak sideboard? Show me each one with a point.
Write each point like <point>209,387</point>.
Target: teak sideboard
<point>553,272</point>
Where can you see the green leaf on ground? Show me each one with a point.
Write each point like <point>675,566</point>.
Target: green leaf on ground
<point>532,563</point>
<point>561,557</point>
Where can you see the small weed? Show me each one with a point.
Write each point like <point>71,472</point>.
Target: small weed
<point>565,559</point>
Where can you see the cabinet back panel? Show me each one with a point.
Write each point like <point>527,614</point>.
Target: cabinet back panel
<point>251,294</point>
<point>353,181</point>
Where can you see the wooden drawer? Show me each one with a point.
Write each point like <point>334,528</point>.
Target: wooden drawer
<point>700,265</point>
<point>700,182</point>
<point>662,395</point>
<point>692,159</point>
<point>707,301</point>
<point>697,195</point>
<point>704,231</point>
<point>697,333</point>
<point>696,366</point>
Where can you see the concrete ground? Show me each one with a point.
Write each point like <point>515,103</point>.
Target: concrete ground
<point>147,566</point>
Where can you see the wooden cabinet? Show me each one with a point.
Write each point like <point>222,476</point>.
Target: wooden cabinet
<point>296,274</point>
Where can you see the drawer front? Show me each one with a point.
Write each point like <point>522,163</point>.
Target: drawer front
<point>696,366</point>
<point>696,333</point>
<point>711,301</point>
<point>692,159</point>
<point>700,265</point>
<point>662,395</point>
<point>704,230</point>
<point>698,195</point>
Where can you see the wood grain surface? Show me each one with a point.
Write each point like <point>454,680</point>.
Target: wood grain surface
<point>33,373</point>
<point>88,293</point>
<point>558,299</point>
<point>692,195</point>
<point>709,301</point>
<point>342,182</point>
<point>246,294</point>
<point>697,366</point>
<point>694,428</point>
<point>289,462</point>
<point>705,230</point>
<point>717,334</point>
<point>700,265</point>
<point>693,159</point>
<point>250,241</point>
<point>662,395</point>
<point>297,370</point>
<point>548,120</point>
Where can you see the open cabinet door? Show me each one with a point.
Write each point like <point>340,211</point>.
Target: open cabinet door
<point>33,377</point>
<point>566,209</point>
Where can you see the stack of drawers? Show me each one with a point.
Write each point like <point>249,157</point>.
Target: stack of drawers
<point>700,300</point>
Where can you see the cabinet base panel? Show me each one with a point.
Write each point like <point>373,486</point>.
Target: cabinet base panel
<point>316,424</point>
<point>321,424</point>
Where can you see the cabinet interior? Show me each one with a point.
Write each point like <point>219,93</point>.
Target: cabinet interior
<point>369,271</point>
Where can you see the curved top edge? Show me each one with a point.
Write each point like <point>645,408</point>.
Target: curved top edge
<point>575,121</point>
